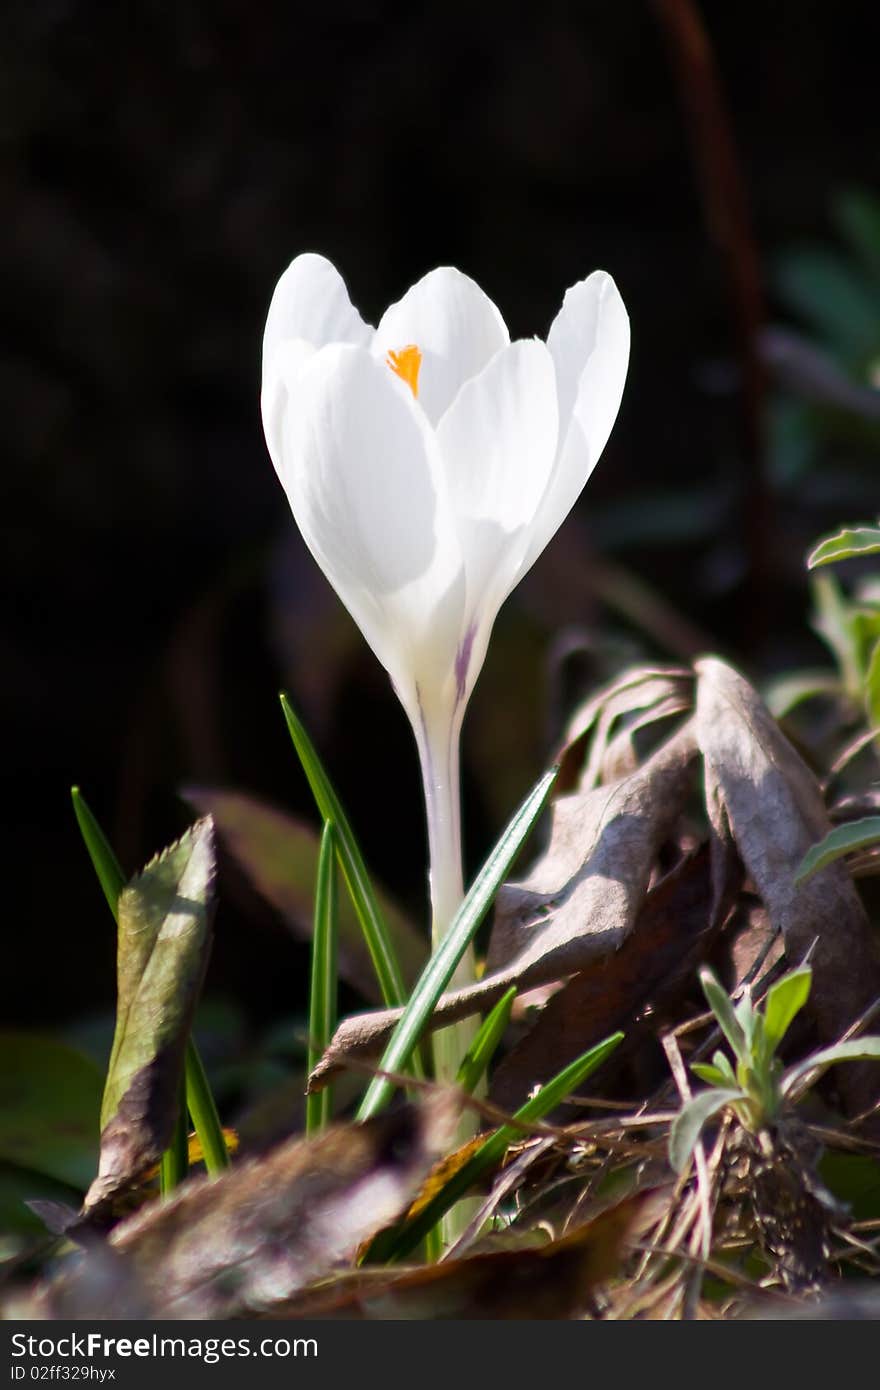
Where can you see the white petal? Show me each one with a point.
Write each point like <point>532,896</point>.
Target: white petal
<point>589,341</point>
<point>455,326</point>
<point>280,376</point>
<point>499,442</point>
<point>499,436</point>
<point>312,303</point>
<point>592,316</point>
<point>361,470</point>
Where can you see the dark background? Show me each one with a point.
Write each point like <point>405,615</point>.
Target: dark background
<point>161,164</point>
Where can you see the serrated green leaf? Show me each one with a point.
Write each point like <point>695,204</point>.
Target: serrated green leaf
<point>843,839</point>
<point>784,1001</point>
<point>721,1006</point>
<point>845,545</point>
<point>441,967</point>
<point>688,1123</point>
<point>164,940</point>
<point>199,1097</point>
<point>865,1049</point>
<point>397,1243</point>
<point>476,1060</point>
<point>322,993</point>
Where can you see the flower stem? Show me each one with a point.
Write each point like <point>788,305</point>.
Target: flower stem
<point>438,743</point>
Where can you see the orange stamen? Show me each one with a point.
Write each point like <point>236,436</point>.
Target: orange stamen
<point>406,364</point>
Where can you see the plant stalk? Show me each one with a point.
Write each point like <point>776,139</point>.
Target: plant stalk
<point>438,742</point>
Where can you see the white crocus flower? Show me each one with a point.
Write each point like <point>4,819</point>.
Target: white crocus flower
<point>427,463</point>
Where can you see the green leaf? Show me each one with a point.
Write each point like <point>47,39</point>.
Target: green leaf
<point>722,1008</point>
<point>784,1001</point>
<point>688,1123</point>
<point>833,622</point>
<point>174,1164</point>
<point>756,1039</point>
<point>441,967</point>
<point>843,839</point>
<point>872,687</point>
<point>476,1060</point>
<point>722,1062</point>
<point>351,861</point>
<point>164,940</point>
<point>786,693</point>
<point>713,1076</point>
<point>748,1020</point>
<point>398,1242</point>
<point>104,861</point>
<point>322,995</point>
<point>865,625</point>
<point>203,1109</point>
<point>845,545</point>
<point>50,1099</point>
<point>865,1049</point>
<point>199,1098</point>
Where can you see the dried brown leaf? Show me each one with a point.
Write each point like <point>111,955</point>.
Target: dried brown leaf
<point>269,1227</point>
<point>578,904</point>
<point>552,1281</point>
<point>673,932</point>
<point>641,688</point>
<point>760,792</point>
<point>620,757</point>
<point>591,880</point>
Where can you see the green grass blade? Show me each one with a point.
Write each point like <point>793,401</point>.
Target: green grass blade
<point>476,1060</point>
<point>351,861</point>
<point>199,1099</point>
<point>104,861</point>
<point>203,1111</point>
<point>174,1164</point>
<point>441,967</point>
<point>322,1000</point>
<point>400,1241</point>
